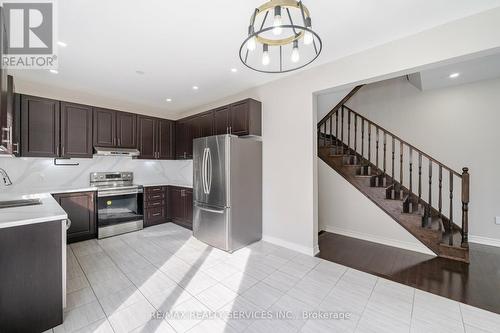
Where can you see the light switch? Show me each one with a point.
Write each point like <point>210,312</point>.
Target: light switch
<point>497,220</point>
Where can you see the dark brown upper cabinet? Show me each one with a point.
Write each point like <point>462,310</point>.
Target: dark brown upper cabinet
<point>184,134</point>
<point>40,128</point>
<point>165,143</point>
<point>104,128</point>
<point>126,132</point>
<point>76,130</point>
<point>221,120</point>
<point>8,139</point>
<point>203,125</point>
<point>155,137</point>
<point>245,118</point>
<point>146,134</point>
<point>114,129</point>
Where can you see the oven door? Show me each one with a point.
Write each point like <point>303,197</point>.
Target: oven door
<point>118,212</point>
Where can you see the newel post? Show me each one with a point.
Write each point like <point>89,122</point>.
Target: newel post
<point>465,206</point>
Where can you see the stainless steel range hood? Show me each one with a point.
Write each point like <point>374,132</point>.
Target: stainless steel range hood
<point>104,151</point>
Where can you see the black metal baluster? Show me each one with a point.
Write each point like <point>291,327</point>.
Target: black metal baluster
<point>411,170</point>
<point>401,162</point>
<point>369,145</point>
<point>419,179</point>
<point>451,209</point>
<point>355,133</point>
<point>362,137</point>
<point>440,204</point>
<point>349,131</point>
<point>430,185</point>
<point>385,152</point>
<point>331,125</point>
<point>342,129</point>
<point>393,152</point>
<point>376,145</point>
<point>336,132</point>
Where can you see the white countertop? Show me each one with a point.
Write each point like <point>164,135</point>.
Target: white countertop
<point>166,184</point>
<point>48,210</point>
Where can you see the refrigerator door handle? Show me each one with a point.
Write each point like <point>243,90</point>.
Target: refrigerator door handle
<point>204,171</point>
<point>216,211</point>
<point>209,170</point>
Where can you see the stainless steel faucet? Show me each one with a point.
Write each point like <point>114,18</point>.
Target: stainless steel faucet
<point>5,177</point>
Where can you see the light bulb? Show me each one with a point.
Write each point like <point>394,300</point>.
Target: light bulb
<point>277,30</point>
<point>265,55</point>
<point>308,38</point>
<point>265,58</point>
<point>295,52</point>
<point>251,44</point>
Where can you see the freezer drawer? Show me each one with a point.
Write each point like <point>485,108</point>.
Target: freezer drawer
<point>210,225</point>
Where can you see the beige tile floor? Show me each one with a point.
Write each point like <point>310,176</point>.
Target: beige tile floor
<point>117,284</point>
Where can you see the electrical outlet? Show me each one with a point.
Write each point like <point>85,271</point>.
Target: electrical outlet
<point>497,220</point>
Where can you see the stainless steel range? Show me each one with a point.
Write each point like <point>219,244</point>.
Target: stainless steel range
<point>119,203</point>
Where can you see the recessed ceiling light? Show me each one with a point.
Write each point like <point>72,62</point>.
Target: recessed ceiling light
<point>195,88</point>
<point>62,44</point>
<point>234,70</point>
<point>54,71</point>
<point>169,100</point>
<point>454,75</point>
<point>139,72</point>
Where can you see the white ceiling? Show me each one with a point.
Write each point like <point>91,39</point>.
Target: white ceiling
<point>469,71</point>
<point>178,44</point>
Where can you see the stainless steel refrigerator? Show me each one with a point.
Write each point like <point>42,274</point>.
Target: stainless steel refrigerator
<point>227,190</point>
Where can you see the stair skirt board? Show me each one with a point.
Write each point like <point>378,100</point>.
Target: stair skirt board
<point>380,240</point>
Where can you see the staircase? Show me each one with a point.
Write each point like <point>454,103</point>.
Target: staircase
<point>420,193</point>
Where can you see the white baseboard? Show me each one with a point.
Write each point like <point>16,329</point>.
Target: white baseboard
<point>380,240</point>
<point>484,240</point>
<point>291,246</point>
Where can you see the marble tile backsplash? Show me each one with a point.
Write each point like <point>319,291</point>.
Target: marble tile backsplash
<point>35,175</point>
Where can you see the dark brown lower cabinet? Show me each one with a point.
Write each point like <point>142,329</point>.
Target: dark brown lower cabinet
<point>180,206</point>
<point>31,288</point>
<point>80,208</point>
<point>155,205</point>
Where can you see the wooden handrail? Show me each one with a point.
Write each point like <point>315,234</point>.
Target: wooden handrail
<point>342,102</point>
<point>406,143</point>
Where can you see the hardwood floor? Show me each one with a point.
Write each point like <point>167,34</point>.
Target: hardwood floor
<point>476,284</point>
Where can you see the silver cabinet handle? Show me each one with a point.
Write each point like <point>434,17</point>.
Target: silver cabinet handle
<point>8,131</point>
<point>68,224</point>
<point>17,150</point>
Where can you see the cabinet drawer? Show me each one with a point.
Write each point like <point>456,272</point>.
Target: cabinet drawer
<point>155,203</point>
<point>155,196</point>
<point>155,215</point>
<point>154,190</point>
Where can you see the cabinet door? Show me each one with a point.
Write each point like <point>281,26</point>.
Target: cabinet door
<point>81,211</point>
<point>104,127</point>
<point>146,134</point>
<point>8,143</point>
<point>165,139</point>
<point>184,139</point>
<point>76,130</point>
<point>188,206</point>
<point>126,131</point>
<point>204,125</point>
<point>176,207</point>
<point>239,118</point>
<point>40,127</point>
<point>221,120</point>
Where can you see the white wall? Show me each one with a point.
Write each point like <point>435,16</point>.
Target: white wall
<point>38,175</point>
<point>326,102</point>
<point>345,210</point>
<point>457,125</point>
<point>289,116</point>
